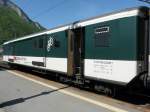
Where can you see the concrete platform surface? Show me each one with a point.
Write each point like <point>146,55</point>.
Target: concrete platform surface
<point>20,95</point>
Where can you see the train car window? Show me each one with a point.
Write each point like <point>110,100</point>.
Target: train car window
<point>102,36</point>
<point>34,43</point>
<point>41,43</point>
<point>57,43</point>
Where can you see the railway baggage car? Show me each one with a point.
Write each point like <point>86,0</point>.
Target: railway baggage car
<point>111,49</point>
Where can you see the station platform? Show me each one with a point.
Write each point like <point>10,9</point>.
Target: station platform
<point>21,94</point>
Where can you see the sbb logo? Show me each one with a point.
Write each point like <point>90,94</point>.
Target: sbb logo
<point>50,43</point>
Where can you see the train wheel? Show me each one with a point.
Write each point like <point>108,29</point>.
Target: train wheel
<point>111,91</point>
<point>108,91</point>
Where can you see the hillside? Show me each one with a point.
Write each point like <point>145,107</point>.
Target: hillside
<point>14,22</point>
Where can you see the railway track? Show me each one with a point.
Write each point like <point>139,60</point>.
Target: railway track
<point>139,101</point>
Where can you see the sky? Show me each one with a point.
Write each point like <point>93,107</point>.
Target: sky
<point>53,13</point>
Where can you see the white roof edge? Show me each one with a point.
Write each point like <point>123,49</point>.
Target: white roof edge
<point>103,18</point>
<point>38,34</point>
<point>119,15</point>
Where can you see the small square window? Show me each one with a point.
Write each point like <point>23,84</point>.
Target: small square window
<point>34,43</point>
<point>41,43</point>
<point>57,43</point>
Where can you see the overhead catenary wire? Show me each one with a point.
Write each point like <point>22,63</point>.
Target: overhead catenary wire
<point>146,1</point>
<point>49,9</point>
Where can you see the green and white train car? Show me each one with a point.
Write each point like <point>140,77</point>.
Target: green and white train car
<point>111,48</point>
<point>44,50</point>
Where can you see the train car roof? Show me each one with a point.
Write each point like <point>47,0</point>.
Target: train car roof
<point>102,18</point>
<point>128,12</point>
<point>53,30</point>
